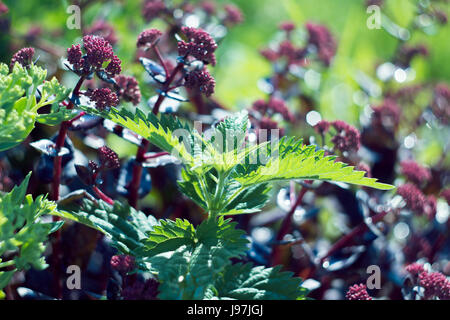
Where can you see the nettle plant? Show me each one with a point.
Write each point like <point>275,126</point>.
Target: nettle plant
<point>225,176</point>
<point>225,171</point>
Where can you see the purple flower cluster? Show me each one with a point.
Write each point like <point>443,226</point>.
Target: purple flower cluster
<point>347,137</point>
<point>321,38</point>
<point>435,284</point>
<point>24,57</point>
<point>417,247</point>
<point>93,167</point>
<point>415,172</point>
<point>275,105</point>
<point>269,54</point>
<point>108,158</point>
<point>123,263</point>
<point>415,269</point>
<point>414,198</point>
<point>386,115</point>
<point>152,9</point>
<point>75,57</point>
<point>417,201</point>
<point>103,29</point>
<point>267,123</point>
<point>358,292</point>
<point>148,37</point>
<point>199,45</point>
<point>128,89</point>
<point>98,52</point>
<point>104,98</point>
<point>233,15</point>
<point>208,6</point>
<point>279,106</point>
<point>322,127</point>
<point>441,102</point>
<point>200,80</point>
<point>287,26</point>
<point>287,50</point>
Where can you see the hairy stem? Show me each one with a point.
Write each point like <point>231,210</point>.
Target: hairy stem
<point>218,195</point>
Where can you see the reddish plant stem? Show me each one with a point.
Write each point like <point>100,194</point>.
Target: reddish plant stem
<point>161,60</point>
<point>156,155</point>
<point>65,125</point>
<point>81,114</point>
<point>158,103</point>
<point>137,174</point>
<point>349,238</point>
<point>57,169</point>
<point>133,187</point>
<point>173,87</point>
<point>197,100</point>
<point>103,196</point>
<point>285,227</point>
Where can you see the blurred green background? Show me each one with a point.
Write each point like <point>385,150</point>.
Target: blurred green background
<point>240,66</point>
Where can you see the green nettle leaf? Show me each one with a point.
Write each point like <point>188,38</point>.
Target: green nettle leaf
<point>229,134</point>
<point>168,236</point>
<point>244,282</point>
<point>191,187</point>
<point>56,116</point>
<point>22,234</point>
<point>224,159</point>
<point>18,105</point>
<point>127,227</point>
<point>297,161</point>
<point>188,271</point>
<point>250,200</point>
<point>186,260</point>
<point>166,133</point>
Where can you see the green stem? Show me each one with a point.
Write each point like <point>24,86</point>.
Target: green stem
<point>217,202</point>
<point>219,188</point>
<point>205,192</point>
